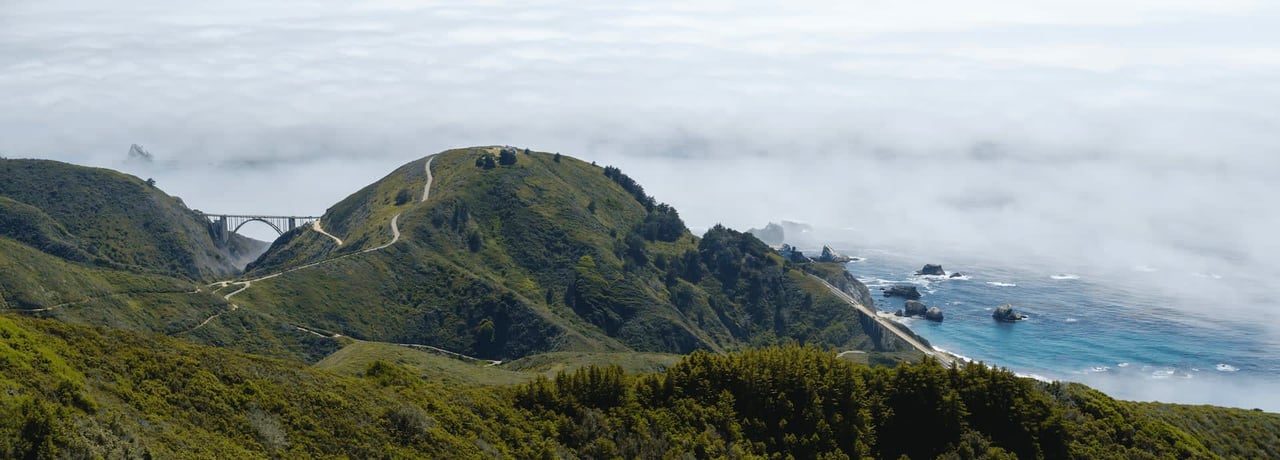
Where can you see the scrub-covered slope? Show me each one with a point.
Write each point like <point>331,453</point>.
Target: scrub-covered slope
<point>519,252</point>
<point>111,219</point>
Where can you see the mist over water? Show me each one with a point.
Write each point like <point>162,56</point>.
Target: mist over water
<point>1132,144</point>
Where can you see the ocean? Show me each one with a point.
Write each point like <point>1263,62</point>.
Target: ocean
<point>1127,343</point>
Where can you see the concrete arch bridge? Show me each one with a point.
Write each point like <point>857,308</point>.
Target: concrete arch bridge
<point>223,225</point>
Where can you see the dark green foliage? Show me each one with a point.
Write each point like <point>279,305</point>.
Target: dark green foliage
<point>1230,433</point>
<point>662,224</point>
<point>403,196</point>
<point>804,403</point>
<point>630,185</point>
<point>507,157</point>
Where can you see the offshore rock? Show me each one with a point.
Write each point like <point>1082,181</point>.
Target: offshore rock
<point>906,292</point>
<point>830,255</point>
<point>914,308</point>
<point>932,270</point>
<point>934,314</point>
<point>1005,313</point>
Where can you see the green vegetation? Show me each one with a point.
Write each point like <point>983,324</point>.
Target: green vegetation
<point>580,282</point>
<point>76,391</point>
<point>73,391</point>
<point>109,219</point>
<point>96,246</point>
<point>536,255</point>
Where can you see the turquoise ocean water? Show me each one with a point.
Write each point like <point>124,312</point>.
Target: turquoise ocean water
<point>1130,344</point>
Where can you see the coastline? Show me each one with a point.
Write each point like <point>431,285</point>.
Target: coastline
<point>901,330</point>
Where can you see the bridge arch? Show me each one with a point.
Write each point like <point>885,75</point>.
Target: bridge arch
<point>255,219</point>
<point>223,225</point>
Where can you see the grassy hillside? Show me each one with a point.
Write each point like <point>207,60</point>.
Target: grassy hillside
<point>548,253</point>
<point>76,391</point>
<point>96,246</point>
<point>110,219</point>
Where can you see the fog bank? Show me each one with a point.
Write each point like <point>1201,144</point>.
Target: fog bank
<point>1122,140</point>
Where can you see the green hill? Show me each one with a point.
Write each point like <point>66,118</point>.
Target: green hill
<point>97,246</point>
<point>540,253</point>
<point>110,219</point>
<point>82,392</point>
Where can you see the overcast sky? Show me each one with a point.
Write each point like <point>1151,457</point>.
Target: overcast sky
<point>1095,136</point>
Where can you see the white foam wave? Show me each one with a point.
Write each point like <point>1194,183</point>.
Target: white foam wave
<point>1065,276</point>
<point>957,355</point>
<point>1225,368</point>
<point>1162,374</point>
<point>1100,368</point>
<point>1122,365</point>
<point>1072,320</point>
<point>1001,284</point>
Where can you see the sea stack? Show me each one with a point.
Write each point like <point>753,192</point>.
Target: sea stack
<point>1006,314</point>
<point>830,255</point>
<point>931,270</point>
<point>934,314</point>
<point>906,292</point>
<point>914,308</point>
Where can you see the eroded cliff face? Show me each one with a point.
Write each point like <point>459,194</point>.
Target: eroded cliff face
<point>850,285</point>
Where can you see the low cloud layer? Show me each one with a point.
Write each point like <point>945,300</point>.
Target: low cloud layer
<point>1095,136</point>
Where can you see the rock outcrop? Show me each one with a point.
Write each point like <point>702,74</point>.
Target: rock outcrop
<point>914,308</point>
<point>137,153</point>
<point>1006,313</point>
<point>849,284</point>
<point>955,275</point>
<point>931,270</point>
<point>906,292</point>
<point>934,314</point>
<point>830,255</point>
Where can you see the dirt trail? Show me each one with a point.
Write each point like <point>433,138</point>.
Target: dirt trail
<point>426,189</point>
<point>315,225</point>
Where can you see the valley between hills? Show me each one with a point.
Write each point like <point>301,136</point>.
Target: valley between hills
<point>493,302</point>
